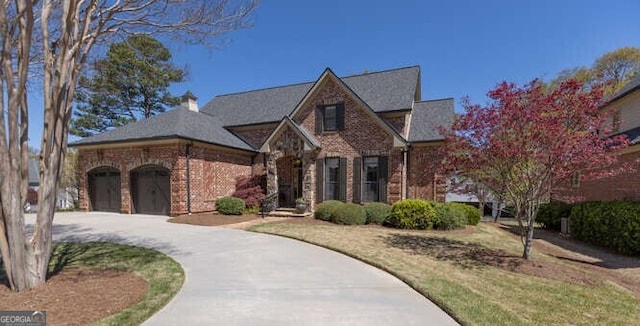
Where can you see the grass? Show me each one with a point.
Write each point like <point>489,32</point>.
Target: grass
<point>444,267</point>
<point>163,274</point>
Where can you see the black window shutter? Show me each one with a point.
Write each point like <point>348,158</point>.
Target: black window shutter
<point>343,179</point>
<point>319,180</point>
<point>340,116</point>
<point>383,168</point>
<point>319,119</point>
<point>357,180</point>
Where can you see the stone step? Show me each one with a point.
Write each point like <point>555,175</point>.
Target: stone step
<point>288,213</point>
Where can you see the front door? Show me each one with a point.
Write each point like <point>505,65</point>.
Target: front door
<point>296,176</point>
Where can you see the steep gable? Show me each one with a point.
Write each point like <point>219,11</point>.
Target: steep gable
<point>383,91</point>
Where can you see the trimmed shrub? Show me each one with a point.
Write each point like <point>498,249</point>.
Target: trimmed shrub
<point>614,224</point>
<point>549,215</point>
<point>448,216</point>
<point>470,212</point>
<point>349,214</point>
<point>377,213</point>
<point>251,189</point>
<point>230,206</point>
<point>411,214</point>
<point>324,211</point>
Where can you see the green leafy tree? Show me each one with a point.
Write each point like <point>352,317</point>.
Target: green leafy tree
<point>614,70</point>
<point>130,83</point>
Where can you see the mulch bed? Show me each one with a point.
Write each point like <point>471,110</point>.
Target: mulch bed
<point>212,219</point>
<point>78,296</point>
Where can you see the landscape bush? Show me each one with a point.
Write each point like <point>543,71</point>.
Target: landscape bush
<point>614,224</point>
<point>411,214</point>
<point>230,206</point>
<point>349,214</point>
<point>448,216</point>
<point>470,212</point>
<point>549,214</point>
<point>251,189</point>
<point>377,213</point>
<point>324,211</point>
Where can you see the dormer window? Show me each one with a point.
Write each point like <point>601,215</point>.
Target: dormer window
<point>329,118</point>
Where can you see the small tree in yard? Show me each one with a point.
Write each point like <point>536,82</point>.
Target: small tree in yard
<point>48,43</point>
<point>251,189</point>
<point>527,141</point>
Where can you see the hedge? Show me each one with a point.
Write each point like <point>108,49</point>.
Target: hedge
<point>470,212</point>
<point>349,214</point>
<point>325,210</point>
<point>377,213</point>
<point>549,214</point>
<point>411,214</point>
<point>449,216</point>
<point>230,206</point>
<point>614,224</point>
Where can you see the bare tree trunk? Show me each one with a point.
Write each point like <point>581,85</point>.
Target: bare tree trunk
<point>528,241</point>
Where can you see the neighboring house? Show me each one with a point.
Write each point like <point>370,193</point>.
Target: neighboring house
<point>362,138</point>
<point>626,105</point>
<point>65,198</point>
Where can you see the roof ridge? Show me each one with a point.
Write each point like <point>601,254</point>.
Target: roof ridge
<point>436,99</point>
<point>379,71</point>
<point>264,89</point>
<point>311,82</point>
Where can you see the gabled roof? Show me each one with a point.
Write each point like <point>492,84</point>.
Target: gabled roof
<point>398,140</point>
<point>178,123</point>
<point>427,116</point>
<point>630,87</point>
<point>310,142</point>
<point>383,91</point>
<point>34,171</point>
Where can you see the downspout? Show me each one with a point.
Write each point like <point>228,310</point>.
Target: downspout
<point>188,154</point>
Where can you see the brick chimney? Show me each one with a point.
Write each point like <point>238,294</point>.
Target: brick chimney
<point>189,102</point>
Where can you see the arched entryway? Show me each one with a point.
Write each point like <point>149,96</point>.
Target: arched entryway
<point>151,190</point>
<point>104,189</point>
<point>289,180</point>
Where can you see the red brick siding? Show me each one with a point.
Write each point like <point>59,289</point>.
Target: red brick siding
<point>621,186</point>
<point>423,178</point>
<point>255,137</point>
<point>212,172</point>
<point>361,136</point>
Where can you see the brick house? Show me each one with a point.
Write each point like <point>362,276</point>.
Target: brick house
<point>626,105</point>
<point>362,138</point>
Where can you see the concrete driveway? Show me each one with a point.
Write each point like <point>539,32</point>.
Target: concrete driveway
<point>241,278</point>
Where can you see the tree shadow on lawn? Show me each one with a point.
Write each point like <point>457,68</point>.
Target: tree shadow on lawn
<point>463,254</point>
<point>595,255</point>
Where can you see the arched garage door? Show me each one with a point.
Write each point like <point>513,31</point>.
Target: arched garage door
<point>150,190</point>
<point>104,189</point>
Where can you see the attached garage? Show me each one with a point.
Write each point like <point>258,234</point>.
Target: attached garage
<point>104,189</point>
<point>151,190</point>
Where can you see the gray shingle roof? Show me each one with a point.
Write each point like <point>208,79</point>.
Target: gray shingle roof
<point>630,87</point>
<point>180,123</point>
<point>383,91</point>
<point>34,172</point>
<point>427,116</point>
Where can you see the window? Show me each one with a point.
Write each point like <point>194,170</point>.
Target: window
<point>329,118</point>
<point>370,179</point>
<point>332,179</point>
<point>370,174</point>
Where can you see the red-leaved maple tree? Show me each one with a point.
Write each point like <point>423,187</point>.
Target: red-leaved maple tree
<point>527,140</point>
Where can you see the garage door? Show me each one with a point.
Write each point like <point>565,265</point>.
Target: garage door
<point>150,191</point>
<point>104,190</point>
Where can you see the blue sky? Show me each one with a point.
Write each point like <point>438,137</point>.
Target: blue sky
<point>464,48</point>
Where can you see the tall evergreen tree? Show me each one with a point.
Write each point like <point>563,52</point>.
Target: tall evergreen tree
<point>130,83</point>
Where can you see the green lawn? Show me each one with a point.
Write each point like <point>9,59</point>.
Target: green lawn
<point>444,266</point>
<point>163,274</point>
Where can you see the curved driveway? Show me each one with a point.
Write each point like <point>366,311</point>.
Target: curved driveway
<point>242,278</point>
